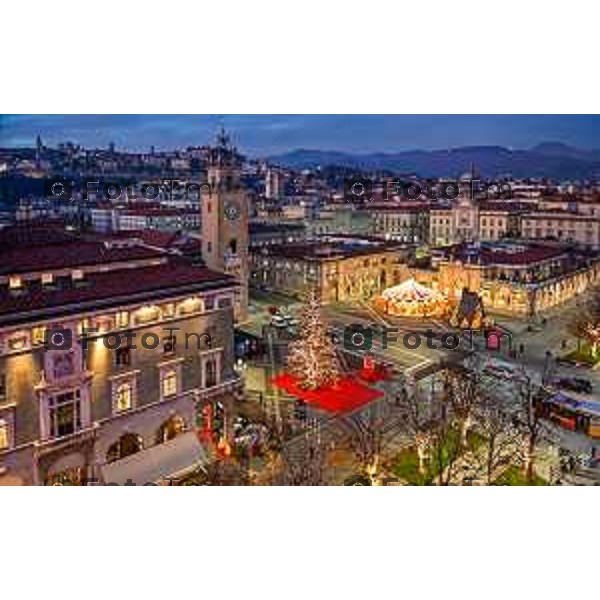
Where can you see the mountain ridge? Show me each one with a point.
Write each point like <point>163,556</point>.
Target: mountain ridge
<point>547,159</point>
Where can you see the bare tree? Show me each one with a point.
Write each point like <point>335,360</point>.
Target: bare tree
<point>304,459</point>
<point>304,466</point>
<point>415,410</point>
<point>463,391</point>
<point>501,439</point>
<point>429,420</point>
<point>529,422</point>
<point>585,325</point>
<point>454,410</point>
<point>445,444</point>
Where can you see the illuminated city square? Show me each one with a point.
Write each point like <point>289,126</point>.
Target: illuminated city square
<point>200,316</point>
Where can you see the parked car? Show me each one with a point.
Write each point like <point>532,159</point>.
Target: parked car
<point>278,321</point>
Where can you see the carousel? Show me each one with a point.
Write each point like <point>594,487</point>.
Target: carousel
<point>412,299</point>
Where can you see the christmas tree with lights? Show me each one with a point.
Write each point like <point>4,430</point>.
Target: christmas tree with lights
<point>312,358</point>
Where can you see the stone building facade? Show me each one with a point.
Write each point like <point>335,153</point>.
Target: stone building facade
<point>517,279</point>
<point>94,407</point>
<point>342,268</point>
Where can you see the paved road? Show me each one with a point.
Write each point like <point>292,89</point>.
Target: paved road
<point>342,316</point>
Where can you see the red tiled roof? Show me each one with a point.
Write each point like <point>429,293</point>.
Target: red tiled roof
<point>111,288</point>
<point>73,254</point>
<point>506,206</point>
<point>156,212</point>
<point>162,239</point>
<point>47,231</point>
<point>528,256</point>
<point>341,246</point>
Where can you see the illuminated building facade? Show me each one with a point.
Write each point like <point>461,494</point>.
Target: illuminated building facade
<point>341,268</point>
<point>90,409</point>
<point>564,226</point>
<point>404,222</point>
<point>522,279</point>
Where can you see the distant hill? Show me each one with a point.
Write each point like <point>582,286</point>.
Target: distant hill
<point>550,159</point>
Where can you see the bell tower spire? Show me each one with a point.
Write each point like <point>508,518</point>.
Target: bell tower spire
<point>225,217</point>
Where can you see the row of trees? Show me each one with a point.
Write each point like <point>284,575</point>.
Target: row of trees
<point>468,429</point>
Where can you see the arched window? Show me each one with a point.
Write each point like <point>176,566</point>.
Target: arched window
<point>211,372</point>
<point>3,434</point>
<point>123,397</point>
<point>171,428</point>
<point>233,246</point>
<point>126,445</point>
<point>147,314</point>
<point>169,384</point>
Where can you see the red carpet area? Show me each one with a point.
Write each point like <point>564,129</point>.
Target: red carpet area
<point>348,394</point>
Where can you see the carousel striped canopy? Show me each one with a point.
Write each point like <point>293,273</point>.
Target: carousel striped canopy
<point>410,292</point>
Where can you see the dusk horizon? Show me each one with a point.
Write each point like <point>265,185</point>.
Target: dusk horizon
<point>266,135</point>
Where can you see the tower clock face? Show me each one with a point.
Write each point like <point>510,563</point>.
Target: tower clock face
<point>232,211</point>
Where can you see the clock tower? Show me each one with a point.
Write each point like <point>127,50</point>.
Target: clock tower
<point>225,219</point>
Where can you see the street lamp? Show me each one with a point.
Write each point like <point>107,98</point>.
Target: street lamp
<point>240,367</point>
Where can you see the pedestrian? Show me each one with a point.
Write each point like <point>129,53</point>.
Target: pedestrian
<point>521,349</point>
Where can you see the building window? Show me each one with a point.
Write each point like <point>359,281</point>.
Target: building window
<point>65,413</point>
<point>19,341</point>
<point>123,356</point>
<point>170,429</point>
<point>83,326</point>
<point>3,435</point>
<point>123,397</point>
<point>169,344</point>
<point>189,306</point>
<point>209,246</point>
<point>147,314</point>
<point>122,319</point>
<point>38,336</point>
<point>225,302</point>
<point>47,278</point>
<point>15,283</point>
<point>211,372</point>
<point>2,387</point>
<point>128,444</point>
<point>169,384</point>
